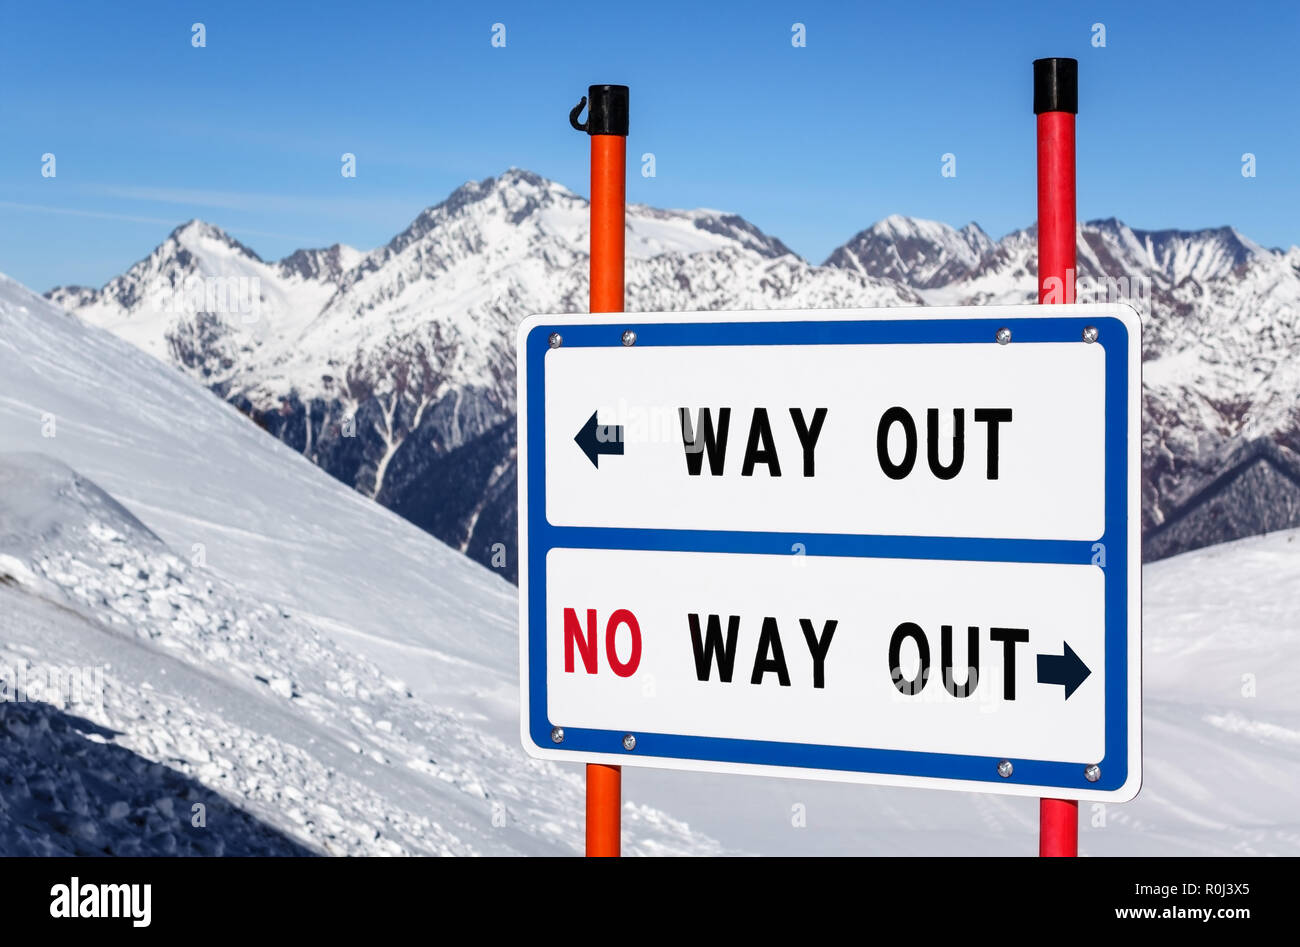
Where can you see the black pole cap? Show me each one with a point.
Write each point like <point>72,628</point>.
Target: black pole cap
<point>1056,86</point>
<point>607,114</point>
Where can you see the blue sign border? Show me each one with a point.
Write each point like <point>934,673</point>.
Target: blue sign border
<point>1113,337</point>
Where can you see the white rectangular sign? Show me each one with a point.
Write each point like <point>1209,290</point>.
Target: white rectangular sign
<point>892,546</point>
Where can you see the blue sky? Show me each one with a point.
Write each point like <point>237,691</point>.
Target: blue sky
<point>811,144</point>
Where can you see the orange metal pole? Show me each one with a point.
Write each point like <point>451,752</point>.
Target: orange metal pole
<point>604,809</point>
<point>608,223</point>
<point>607,120</point>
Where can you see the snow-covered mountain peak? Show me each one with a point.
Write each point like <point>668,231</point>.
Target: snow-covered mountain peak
<point>200,236</point>
<point>919,253</point>
<point>495,217</point>
<point>652,231</point>
<point>902,227</point>
<point>523,210</point>
<point>1175,255</point>
<point>328,264</point>
<point>511,198</point>
<point>976,238</point>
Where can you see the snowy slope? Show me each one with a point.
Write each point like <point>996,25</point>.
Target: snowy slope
<point>349,684</point>
<point>267,633</point>
<point>1222,666</point>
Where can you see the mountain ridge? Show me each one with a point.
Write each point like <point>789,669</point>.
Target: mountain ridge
<point>379,365</point>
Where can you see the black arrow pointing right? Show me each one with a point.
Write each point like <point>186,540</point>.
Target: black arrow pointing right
<point>1065,669</point>
<point>596,439</point>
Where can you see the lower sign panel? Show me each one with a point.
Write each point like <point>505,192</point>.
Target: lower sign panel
<point>891,662</point>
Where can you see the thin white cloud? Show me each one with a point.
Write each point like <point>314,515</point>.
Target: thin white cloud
<point>173,222</point>
<point>77,212</point>
<point>251,202</point>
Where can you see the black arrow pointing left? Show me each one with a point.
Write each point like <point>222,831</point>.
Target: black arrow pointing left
<point>596,439</point>
<point>1066,668</point>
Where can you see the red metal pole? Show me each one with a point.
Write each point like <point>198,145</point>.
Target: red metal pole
<point>1056,102</point>
<point>607,124</point>
<point>1056,224</point>
<point>1058,828</point>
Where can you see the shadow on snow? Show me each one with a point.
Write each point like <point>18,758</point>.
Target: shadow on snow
<point>64,792</point>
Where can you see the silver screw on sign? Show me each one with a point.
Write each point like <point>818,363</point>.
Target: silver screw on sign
<point>555,340</point>
<point>629,742</point>
<point>1092,773</point>
<point>1004,336</point>
<point>1090,333</point>
<point>1005,769</point>
<point>629,337</point>
<point>557,734</point>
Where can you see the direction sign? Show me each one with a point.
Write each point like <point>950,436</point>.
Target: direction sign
<point>892,546</point>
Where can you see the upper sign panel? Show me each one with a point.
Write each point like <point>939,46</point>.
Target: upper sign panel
<point>984,440</point>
